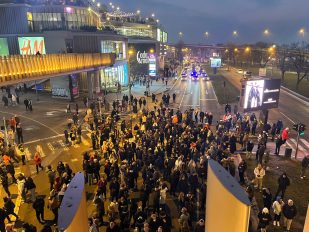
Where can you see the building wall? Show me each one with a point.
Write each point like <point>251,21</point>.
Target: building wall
<point>13,19</point>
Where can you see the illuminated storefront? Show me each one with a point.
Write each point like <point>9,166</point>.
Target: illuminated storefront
<point>112,75</point>
<point>117,47</point>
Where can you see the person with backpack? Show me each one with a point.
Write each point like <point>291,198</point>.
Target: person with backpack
<point>9,207</point>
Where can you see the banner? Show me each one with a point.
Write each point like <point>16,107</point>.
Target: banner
<point>31,45</point>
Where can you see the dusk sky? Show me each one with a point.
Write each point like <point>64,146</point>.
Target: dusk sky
<point>220,18</point>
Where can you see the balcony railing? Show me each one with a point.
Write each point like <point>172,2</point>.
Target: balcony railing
<point>20,67</point>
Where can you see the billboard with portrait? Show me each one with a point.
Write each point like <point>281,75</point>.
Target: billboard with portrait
<point>215,62</point>
<point>261,94</point>
<point>4,48</point>
<point>31,45</point>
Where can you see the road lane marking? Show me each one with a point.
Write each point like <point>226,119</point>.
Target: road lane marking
<point>210,99</point>
<point>51,147</point>
<point>287,117</point>
<point>300,147</point>
<point>31,119</point>
<point>183,96</point>
<point>305,142</point>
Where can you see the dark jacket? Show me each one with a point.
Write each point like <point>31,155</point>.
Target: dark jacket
<point>264,219</point>
<point>289,211</point>
<point>38,205</point>
<point>283,182</point>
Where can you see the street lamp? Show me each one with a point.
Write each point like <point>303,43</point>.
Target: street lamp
<point>235,33</point>
<point>266,32</point>
<point>236,50</point>
<point>158,20</point>
<point>206,34</point>
<point>302,32</point>
<point>110,3</point>
<point>118,8</point>
<point>98,5</point>
<point>138,11</point>
<point>180,34</point>
<point>153,15</point>
<point>151,50</point>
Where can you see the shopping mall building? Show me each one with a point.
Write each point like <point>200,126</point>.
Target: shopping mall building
<point>40,27</point>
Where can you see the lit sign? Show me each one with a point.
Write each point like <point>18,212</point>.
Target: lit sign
<point>152,65</point>
<point>142,57</point>
<point>158,34</point>
<point>215,62</point>
<point>31,45</point>
<point>261,94</point>
<point>4,49</point>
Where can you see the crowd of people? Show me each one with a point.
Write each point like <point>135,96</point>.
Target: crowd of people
<point>138,168</point>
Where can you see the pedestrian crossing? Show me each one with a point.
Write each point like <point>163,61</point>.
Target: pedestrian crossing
<point>303,147</point>
<point>54,145</point>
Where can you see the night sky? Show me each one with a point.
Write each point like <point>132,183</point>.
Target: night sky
<point>220,18</point>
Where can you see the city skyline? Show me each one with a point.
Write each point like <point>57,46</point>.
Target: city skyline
<point>221,19</point>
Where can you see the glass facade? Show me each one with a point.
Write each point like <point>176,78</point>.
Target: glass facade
<point>131,31</point>
<point>66,18</point>
<point>112,75</point>
<point>117,47</point>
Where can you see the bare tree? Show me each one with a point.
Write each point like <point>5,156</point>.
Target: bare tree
<point>300,64</point>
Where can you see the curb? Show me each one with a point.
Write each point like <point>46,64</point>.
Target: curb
<point>297,96</point>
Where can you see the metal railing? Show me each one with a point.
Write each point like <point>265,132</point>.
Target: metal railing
<point>23,67</point>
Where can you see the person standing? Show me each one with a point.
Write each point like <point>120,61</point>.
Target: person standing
<point>30,186</point>
<point>277,207</point>
<point>38,161</point>
<point>304,166</point>
<point>3,215</point>
<point>279,142</point>
<point>26,103</point>
<point>267,198</point>
<point>264,218</point>
<point>259,173</point>
<point>9,207</point>
<point>53,205</point>
<point>285,135</point>
<point>289,212</point>
<point>51,174</point>
<point>38,206</point>
<point>5,184</point>
<point>19,132</point>
<point>283,182</point>
<point>21,180</point>
<point>242,167</point>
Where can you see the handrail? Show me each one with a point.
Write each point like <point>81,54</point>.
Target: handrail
<point>22,67</point>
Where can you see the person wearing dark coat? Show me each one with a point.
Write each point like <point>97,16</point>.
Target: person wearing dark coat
<point>232,142</point>
<point>38,206</point>
<point>283,183</point>
<point>264,218</point>
<point>242,167</point>
<point>267,198</point>
<point>200,226</point>
<point>289,212</point>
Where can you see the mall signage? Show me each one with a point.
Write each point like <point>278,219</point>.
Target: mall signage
<point>142,57</point>
<point>261,94</point>
<point>31,45</point>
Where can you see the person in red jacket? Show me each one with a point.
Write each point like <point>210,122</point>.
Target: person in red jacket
<point>38,161</point>
<point>285,134</point>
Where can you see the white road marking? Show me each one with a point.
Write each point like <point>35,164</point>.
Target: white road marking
<point>213,91</point>
<point>51,147</point>
<point>31,119</point>
<point>65,148</point>
<point>210,99</point>
<point>305,142</point>
<point>300,147</point>
<point>287,117</point>
<point>39,140</point>
<point>183,96</point>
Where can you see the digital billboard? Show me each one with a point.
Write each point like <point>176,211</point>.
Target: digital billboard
<point>215,62</point>
<point>152,65</point>
<point>4,48</point>
<point>261,94</point>
<point>139,63</point>
<point>164,37</point>
<point>158,34</point>
<point>31,45</point>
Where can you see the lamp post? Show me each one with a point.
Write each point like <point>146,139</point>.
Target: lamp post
<point>130,54</point>
<point>206,34</point>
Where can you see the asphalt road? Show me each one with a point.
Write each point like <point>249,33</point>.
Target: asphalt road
<point>291,110</point>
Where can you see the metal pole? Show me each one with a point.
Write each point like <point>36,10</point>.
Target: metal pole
<point>5,131</point>
<point>36,91</point>
<point>297,141</point>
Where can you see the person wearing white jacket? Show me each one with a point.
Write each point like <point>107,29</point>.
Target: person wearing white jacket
<point>259,173</point>
<point>277,207</point>
<point>21,180</point>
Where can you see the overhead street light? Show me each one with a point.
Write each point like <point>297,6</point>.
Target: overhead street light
<point>235,50</point>
<point>98,5</point>
<point>266,32</point>
<point>153,15</point>
<point>301,32</point>
<point>235,33</point>
<point>247,49</point>
<point>138,11</point>
<point>158,20</point>
<point>206,34</point>
<point>180,34</point>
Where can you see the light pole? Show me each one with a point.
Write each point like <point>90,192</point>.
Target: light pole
<point>180,35</point>
<point>130,54</point>
<point>206,34</point>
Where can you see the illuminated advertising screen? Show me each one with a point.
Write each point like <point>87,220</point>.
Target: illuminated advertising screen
<point>215,62</point>
<point>158,34</point>
<point>4,48</point>
<point>261,94</point>
<point>164,37</point>
<point>152,65</point>
<point>139,62</point>
<point>31,45</point>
